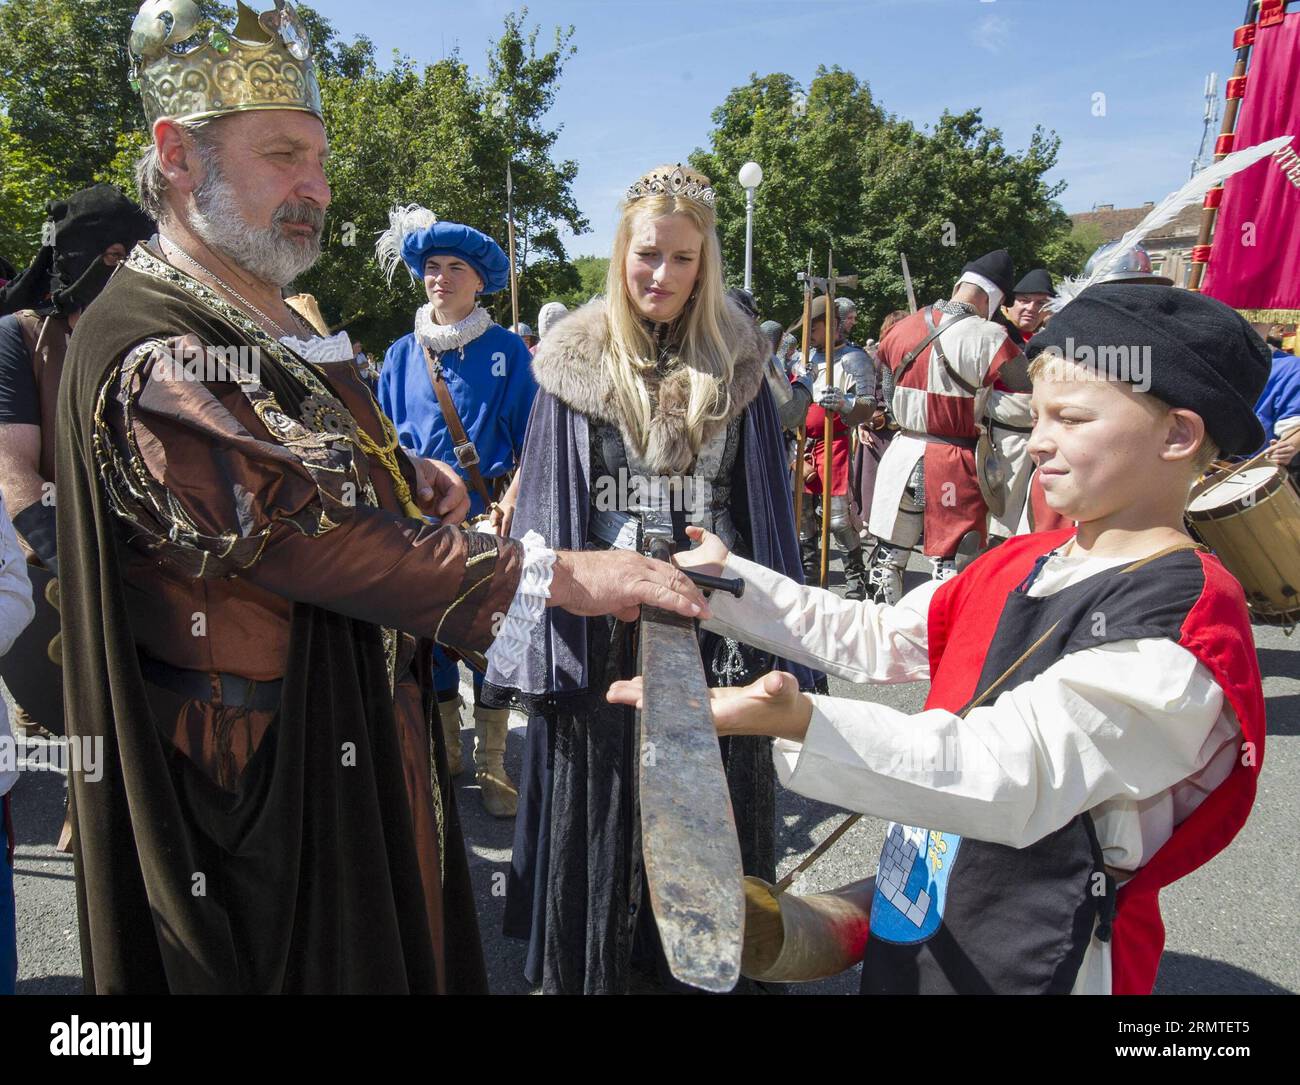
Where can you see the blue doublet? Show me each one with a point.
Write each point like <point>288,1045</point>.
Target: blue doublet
<point>492,387</point>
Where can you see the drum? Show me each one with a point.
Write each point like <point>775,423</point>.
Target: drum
<point>1251,520</point>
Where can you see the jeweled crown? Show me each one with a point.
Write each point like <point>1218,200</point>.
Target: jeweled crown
<point>188,70</point>
<point>673,181</point>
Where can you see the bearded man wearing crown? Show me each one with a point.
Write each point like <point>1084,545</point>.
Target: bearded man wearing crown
<point>251,582</point>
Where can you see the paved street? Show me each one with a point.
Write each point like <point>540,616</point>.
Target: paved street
<point>1231,926</point>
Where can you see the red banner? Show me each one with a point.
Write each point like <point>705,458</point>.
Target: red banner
<point>1255,262</point>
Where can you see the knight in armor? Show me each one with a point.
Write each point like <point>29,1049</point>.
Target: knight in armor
<point>88,235</point>
<point>933,482</point>
<point>652,402</point>
<point>459,389</point>
<point>792,395</point>
<point>848,402</point>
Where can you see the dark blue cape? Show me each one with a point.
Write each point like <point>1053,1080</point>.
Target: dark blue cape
<point>554,501</point>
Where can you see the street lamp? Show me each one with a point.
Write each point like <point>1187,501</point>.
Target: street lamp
<point>750,177</point>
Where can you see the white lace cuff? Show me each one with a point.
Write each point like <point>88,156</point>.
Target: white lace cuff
<point>526,609</point>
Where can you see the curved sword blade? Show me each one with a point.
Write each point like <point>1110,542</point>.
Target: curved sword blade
<point>692,856</point>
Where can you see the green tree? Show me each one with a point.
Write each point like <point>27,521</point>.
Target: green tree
<point>26,181</point>
<point>398,132</point>
<point>436,136</point>
<point>590,272</point>
<point>839,170</point>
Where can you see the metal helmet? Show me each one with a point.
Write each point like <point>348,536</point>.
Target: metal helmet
<point>773,331</point>
<point>1135,267</point>
<point>521,329</point>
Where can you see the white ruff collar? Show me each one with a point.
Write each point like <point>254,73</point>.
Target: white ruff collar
<point>440,338</point>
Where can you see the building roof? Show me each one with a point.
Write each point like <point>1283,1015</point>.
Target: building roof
<point>1114,224</point>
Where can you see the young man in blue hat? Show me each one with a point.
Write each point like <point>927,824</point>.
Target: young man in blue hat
<point>459,388</point>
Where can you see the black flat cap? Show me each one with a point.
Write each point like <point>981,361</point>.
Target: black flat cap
<point>1038,281</point>
<point>997,268</point>
<point>1190,350</point>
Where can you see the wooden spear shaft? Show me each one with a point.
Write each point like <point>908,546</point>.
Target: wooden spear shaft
<point>510,221</point>
<point>829,425</point>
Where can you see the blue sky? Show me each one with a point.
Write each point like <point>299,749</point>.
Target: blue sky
<point>647,75</point>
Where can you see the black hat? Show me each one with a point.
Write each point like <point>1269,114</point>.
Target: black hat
<point>1038,281</point>
<point>66,272</point>
<point>997,268</point>
<point>1197,352</point>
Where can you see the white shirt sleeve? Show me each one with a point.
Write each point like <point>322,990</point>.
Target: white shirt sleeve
<point>858,641</point>
<point>1122,721</point>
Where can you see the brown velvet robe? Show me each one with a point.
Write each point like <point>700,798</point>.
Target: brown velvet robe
<point>247,539</point>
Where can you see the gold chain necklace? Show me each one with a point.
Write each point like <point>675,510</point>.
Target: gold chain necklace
<point>386,453</point>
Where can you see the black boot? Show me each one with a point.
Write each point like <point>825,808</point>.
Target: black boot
<point>810,554</point>
<point>855,575</point>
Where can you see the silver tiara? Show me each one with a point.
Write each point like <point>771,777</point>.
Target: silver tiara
<point>673,181</point>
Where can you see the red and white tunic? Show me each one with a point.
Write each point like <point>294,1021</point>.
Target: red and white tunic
<point>938,420</point>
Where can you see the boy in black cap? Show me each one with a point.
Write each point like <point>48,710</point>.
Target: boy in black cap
<point>1095,723</point>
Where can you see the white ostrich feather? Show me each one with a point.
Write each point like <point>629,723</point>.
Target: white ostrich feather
<point>1165,212</point>
<point>401,221</point>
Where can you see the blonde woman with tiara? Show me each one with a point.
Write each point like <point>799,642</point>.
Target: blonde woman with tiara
<point>657,388</point>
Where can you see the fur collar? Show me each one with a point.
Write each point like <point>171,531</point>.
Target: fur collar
<point>568,366</point>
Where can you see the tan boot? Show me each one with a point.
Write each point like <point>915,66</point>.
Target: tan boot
<point>500,799</point>
<point>449,711</point>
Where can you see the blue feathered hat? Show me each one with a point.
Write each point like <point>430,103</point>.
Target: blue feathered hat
<point>415,234</point>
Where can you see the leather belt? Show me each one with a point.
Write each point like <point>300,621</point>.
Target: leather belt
<point>236,691</point>
<point>620,530</point>
<point>935,438</point>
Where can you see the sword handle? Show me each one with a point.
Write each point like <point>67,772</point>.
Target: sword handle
<point>733,585</point>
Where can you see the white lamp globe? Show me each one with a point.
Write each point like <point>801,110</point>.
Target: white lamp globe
<point>751,175</point>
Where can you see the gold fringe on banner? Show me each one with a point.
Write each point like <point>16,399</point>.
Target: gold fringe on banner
<point>1271,316</point>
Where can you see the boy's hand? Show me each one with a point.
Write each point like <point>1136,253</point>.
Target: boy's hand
<point>707,558</point>
<point>772,705</point>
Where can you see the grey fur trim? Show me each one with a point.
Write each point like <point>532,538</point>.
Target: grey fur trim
<point>568,365</point>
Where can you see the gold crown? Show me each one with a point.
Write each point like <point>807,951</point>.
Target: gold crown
<point>673,181</point>
<point>185,73</point>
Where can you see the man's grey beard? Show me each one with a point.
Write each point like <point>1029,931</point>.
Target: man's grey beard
<point>263,252</point>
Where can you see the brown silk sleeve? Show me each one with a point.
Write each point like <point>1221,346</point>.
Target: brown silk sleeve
<point>450,585</point>
<point>201,482</point>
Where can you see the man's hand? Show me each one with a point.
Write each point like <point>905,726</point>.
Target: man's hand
<point>1281,453</point>
<point>772,705</point>
<point>618,582</point>
<point>707,558</point>
<point>439,490</point>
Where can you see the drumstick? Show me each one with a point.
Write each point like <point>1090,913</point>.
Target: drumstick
<point>1255,459</point>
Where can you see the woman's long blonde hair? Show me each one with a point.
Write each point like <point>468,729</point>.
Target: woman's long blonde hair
<point>629,353</point>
